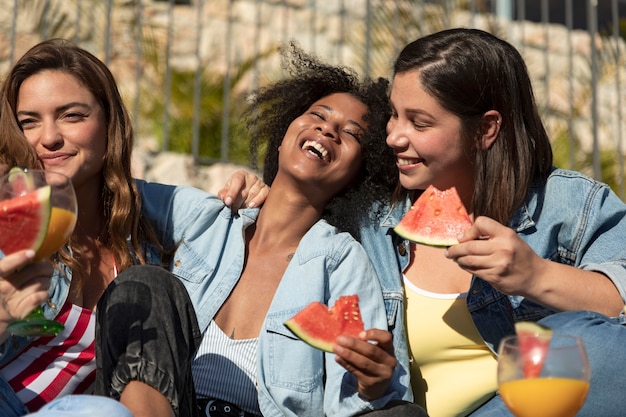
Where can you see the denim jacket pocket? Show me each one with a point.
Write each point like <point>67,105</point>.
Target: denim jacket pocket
<point>290,362</point>
<point>189,266</point>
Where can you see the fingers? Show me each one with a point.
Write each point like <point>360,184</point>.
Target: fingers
<point>371,362</point>
<point>234,188</point>
<point>19,301</point>
<point>23,290</point>
<point>12,263</point>
<point>383,338</point>
<point>374,349</point>
<point>257,194</point>
<point>243,189</point>
<point>479,229</point>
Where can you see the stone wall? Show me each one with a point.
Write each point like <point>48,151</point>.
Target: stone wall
<point>216,47</point>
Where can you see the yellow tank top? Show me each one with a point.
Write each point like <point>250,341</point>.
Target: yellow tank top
<point>452,370</point>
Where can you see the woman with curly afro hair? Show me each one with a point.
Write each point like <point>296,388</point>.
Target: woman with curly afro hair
<point>273,108</point>
<point>250,271</point>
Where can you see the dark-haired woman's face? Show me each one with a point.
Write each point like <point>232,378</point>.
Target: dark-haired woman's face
<point>65,124</point>
<point>323,145</point>
<point>426,138</point>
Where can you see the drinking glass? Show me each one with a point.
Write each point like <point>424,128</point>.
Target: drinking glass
<point>543,375</point>
<point>20,184</point>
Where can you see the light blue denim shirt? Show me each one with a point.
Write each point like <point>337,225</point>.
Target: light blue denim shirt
<point>571,219</point>
<point>293,379</point>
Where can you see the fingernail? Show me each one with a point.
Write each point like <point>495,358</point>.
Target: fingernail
<point>251,204</point>
<point>228,201</point>
<point>30,254</point>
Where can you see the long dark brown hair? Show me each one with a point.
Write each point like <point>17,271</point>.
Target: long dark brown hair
<point>14,149</point>
<point>470,72</point>
<point>126,231</point>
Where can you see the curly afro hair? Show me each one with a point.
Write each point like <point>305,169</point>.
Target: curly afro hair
<point>273,108</point>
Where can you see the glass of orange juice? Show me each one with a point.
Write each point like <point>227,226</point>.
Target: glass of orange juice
<point>37,211</point>
<point>543,375</point>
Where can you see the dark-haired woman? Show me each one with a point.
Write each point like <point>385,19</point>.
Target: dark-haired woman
<point>547,244</point>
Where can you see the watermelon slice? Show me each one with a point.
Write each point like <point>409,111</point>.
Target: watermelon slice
<point>436,218</point>
<point>24,220</point>
<point>21,182</point>
<point>319,326</point>
<point>533,341</point>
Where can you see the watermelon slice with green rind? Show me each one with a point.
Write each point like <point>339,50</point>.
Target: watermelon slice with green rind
<point>436,218</point>
<point>24,220</point>
<point>533,341</point>
<point>319,325</point>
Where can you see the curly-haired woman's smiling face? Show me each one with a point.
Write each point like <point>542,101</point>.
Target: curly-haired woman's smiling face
<point>323,145</point>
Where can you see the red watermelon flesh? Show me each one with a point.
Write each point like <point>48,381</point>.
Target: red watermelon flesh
<point>533,342</point>
<point>21,182</point>
<point>436,218</point>
<point>24,220</point>
<point>319,325</point>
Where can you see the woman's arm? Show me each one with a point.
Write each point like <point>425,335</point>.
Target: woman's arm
<point>570,255</point>
<point>499,256</point>
<point>370,360</point>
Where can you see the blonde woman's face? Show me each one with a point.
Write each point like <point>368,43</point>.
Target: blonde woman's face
<point>65,124</point>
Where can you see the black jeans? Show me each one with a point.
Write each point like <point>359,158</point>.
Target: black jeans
<point>146,330</point>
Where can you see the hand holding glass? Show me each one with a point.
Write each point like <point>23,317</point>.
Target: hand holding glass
<point>63,213</point>
<point>544,376</point>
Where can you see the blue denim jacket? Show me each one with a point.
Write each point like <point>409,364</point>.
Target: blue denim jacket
<point>570,219</point>
<point>293,378</point>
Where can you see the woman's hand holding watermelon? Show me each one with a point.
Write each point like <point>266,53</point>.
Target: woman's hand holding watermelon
<point>23,286</point>
<point>498,255</point>
<point>371,363</point>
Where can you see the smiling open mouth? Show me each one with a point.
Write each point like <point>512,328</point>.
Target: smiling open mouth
<point>316,149</point>
<point>405,161</point>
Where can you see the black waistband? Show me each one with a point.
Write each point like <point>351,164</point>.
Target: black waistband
<point>217,408</point>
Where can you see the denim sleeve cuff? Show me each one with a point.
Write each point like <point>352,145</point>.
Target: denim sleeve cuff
<point>615,271</point>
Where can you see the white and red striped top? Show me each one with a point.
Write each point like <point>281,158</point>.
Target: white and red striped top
<point>56,365</point>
